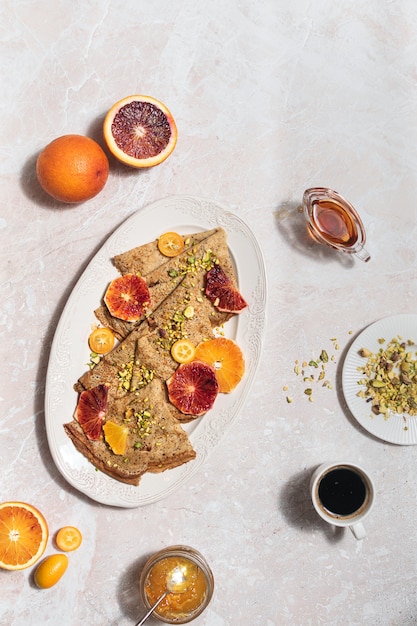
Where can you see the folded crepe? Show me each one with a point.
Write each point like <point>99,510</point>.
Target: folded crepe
<point>147,257</point>
<point>156,440</point>
<point>166,276</point>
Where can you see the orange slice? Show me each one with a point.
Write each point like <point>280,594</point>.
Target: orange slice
<point>68,538</point>
<point>127,297</point>
<point>101,340</point>
<point>226,358</point>
<point>140,131</point>
<point>51,570</point>
<point>116,436</point>
<point>182,351</point>
<point>23,535</point>
<point>170,244</point>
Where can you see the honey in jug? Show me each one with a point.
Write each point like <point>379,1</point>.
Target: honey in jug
<point>334,223</point>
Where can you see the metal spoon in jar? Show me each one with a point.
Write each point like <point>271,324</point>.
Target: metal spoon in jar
<point>176,583</point>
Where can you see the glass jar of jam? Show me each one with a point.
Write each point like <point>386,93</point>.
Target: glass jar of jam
<point>196,590</point>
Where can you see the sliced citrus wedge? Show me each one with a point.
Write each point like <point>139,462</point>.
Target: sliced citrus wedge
<point>221,292</point>
<point>116,436</point>
<point>170,244</point>
<point>140,131</point>
<point>127,297</point>
<point>23,535</point>
<point>226,358</point>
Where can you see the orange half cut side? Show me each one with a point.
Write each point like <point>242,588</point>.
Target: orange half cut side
<point>23,535</point>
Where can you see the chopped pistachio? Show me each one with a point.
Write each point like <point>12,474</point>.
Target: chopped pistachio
<point>324,356</point>
<point>189,312</point>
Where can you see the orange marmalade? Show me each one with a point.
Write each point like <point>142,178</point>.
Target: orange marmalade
<point>176,606</point>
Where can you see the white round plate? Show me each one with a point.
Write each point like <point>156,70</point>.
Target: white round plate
<point>399,429</point>
<point>70,353</point>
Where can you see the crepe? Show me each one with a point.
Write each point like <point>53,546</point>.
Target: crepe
<point>155,443</point>
<point>162,277</point>
<point>146,258</point>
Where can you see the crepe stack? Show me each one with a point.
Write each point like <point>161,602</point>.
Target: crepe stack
<point>136,370</point>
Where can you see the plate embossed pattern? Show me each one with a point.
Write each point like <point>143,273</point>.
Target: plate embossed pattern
<point>398,429</point>
<point>70,353</point>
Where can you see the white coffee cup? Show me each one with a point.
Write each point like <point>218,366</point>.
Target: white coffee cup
<point>343,494</point>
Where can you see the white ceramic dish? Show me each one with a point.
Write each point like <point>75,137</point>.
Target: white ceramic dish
<point>70,353</point>
<point>399,429</point>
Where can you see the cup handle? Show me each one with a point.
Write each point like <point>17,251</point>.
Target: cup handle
<point>358,530</point>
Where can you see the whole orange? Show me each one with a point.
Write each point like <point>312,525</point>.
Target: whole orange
<point>72,168</point>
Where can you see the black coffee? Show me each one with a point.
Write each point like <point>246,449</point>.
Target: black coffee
<point>342,491</point>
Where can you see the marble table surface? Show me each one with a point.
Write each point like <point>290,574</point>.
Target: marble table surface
<point>270,98</point>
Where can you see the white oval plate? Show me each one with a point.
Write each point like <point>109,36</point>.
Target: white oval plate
<point>70,352</point>
<point>399,429</point>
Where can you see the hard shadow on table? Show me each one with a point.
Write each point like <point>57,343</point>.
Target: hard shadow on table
<point>298,511</point>
<point>29,182</point>
<point>292,225</point>
<point>128,595</point>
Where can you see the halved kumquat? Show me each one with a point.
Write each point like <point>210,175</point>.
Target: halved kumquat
<point>182,351</point>
<point>170,244</point>
<point>101,340</point>
<point>68,538</point>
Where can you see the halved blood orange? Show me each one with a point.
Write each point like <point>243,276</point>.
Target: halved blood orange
<point>127,297</point>
<point>116,436</point>
<point>140,131</point>
<point>226,358</point>
<point>193,388</point>
<point>221,292</point>
<point>91,411</point>
<point>23,535</point>
<point>170,244</point>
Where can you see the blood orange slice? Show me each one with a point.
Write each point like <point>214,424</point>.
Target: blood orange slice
<point>23,535</point>
<point>220,291</point>
<point>226,358</point>
<point>193,388</point>
<point>91,411</point>
<point>140,131</point>
<point>127,297</point>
